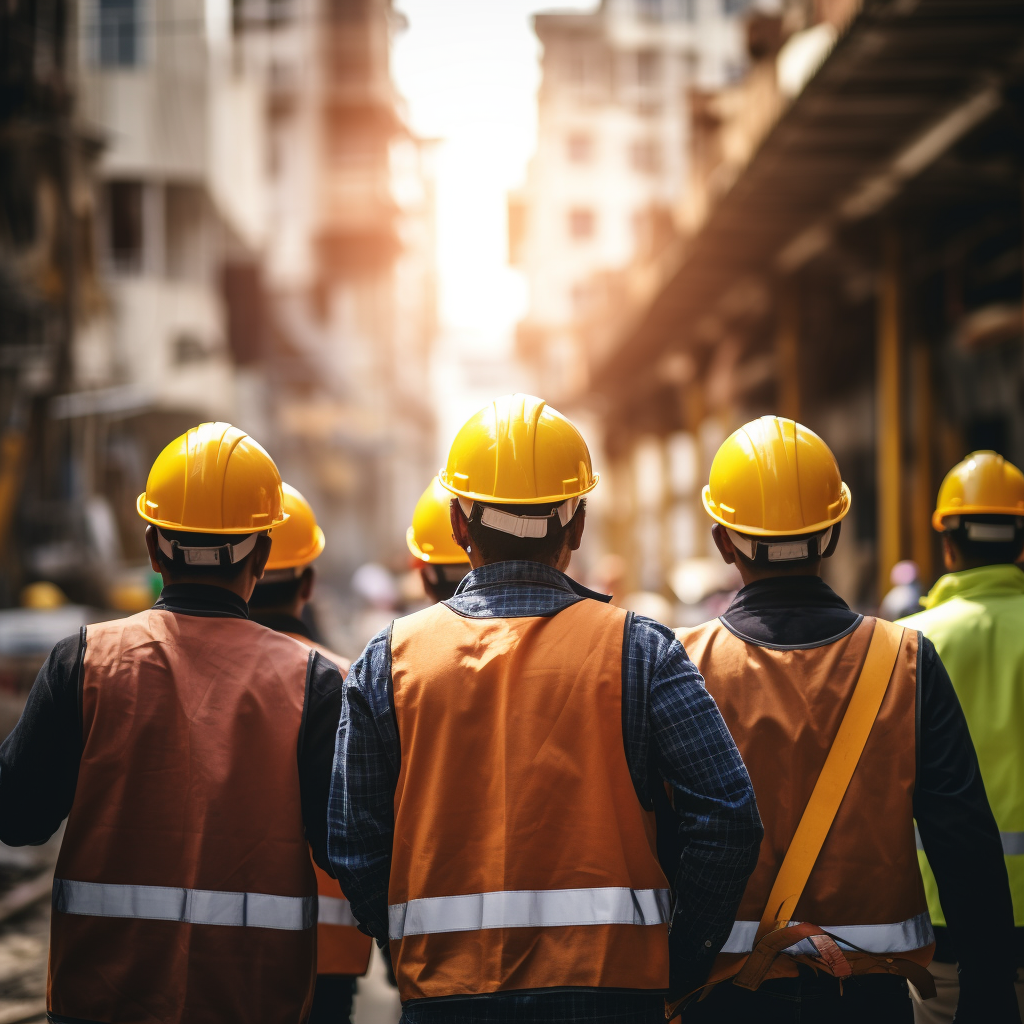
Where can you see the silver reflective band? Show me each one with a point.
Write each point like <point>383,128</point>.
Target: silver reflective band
<point>187,906</point>
<point>334,910</point>
<point>901,937</point>
<point>1013,842</point>
<point>528,908</point>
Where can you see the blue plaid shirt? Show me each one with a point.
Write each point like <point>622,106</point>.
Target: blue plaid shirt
<point>672,731</point>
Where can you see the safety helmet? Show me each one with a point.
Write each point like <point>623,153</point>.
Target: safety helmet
<point>983,484</point>
<point>298,540</point>
<point>214,479</point>
<point>775,478</point>
<point>430,536</point>
<point>518,451</point>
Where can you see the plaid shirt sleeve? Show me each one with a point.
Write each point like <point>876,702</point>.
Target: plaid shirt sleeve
<point>360,815</point>
<point>674,732</point>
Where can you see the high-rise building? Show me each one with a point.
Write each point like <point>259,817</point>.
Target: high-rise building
<point>603,190</point>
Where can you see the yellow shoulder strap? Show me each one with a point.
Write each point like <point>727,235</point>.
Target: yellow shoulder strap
<point>835,777</point>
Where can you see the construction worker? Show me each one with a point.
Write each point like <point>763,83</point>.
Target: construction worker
<point>190,750</point>
<point>974,616</point>
<point>441,562</point>
<point>342,951</point>
<point>850,730</point>
<point>496,760</point>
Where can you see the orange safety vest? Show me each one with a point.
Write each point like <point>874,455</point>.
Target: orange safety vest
<point>341,948</point>
<point>783,708</point>
<point>522,858</point>
<point>183,889</point>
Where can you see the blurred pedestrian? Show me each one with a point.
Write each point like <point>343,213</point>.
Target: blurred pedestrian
<point>190,750</point>
<point>904,598</point>
<point>441,562</point>
<point>974,616</point>
<point>342,951</point>
<point>850,729</point>
<point>498,757</point>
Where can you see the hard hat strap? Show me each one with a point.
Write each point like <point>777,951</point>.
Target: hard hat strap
<point>206,555</point>
<point>789,550</point>
<point>992,533</point>
<point>533,527</point>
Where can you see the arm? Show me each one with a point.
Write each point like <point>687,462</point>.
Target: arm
<point>361,812</point>
<point>960,837</point>
<point>316,749</point>
<point>719,829</point>
<point>39,760</point>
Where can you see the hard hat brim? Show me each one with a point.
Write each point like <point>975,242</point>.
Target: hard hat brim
<point>310,554</point>
<point>497,499</point>
<point>757,531</point>
<point>140,506</point>
<point>973,510</point>
<point>419,553</point>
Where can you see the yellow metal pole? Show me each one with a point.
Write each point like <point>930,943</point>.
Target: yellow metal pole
<point>787,349</point>
<point>887,410</point>
<point>921,533</point>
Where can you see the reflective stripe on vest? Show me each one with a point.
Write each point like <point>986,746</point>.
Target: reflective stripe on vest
<point>1013,842</point>
<point>334,910</point>
<point>539,908</point>
<point>186,906</point>
<point>900,937</point>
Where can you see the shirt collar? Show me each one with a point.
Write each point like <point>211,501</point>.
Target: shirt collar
<point>524,573</point>
<point>786,591</point>
<point>984,581</point>
<point>201,599</point>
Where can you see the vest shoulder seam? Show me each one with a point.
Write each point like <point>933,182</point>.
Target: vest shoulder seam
<point>792,647</point>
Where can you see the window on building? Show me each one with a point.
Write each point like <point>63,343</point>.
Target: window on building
<point>580,148</point>
<point>119,33</point>
<point>582,223</point>
<point>648,68</point>
<point>645,156</point>
<point>124,225</point>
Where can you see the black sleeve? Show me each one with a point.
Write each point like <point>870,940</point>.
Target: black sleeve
<point>324,688</point>
<point>960,837</point>
<point>39,760</point>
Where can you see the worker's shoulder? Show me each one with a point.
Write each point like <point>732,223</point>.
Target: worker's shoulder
<point>958,613</point>
<point>689,635</point>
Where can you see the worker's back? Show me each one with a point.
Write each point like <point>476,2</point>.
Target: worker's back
<point>783,707</point>
<point>522,856</point>
<point>975,619</point>
<point>184,889</point>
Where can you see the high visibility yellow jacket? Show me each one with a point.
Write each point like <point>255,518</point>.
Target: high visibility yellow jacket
<point>975,619</point>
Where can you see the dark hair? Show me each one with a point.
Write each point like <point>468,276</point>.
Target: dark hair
<point>276,593</point>
<point>441,581</point>
<point>988,552</point>
<point>226,571</point>
<point>496,546</point>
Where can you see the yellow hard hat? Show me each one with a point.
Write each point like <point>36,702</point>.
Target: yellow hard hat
<point>298,540</point>
<point>430,536</point>
<point>518,451</point>
<point>775,478</point>
<point>43,595</point>
<point>213,479</point>
<point>983,484</point>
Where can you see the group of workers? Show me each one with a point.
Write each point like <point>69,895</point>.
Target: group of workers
<point>543,807</point>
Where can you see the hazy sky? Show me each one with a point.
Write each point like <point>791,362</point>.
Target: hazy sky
<point>469,72</point>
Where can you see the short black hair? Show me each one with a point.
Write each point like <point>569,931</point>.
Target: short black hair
<point>441,581</point>
<point>988,552</point>
<point>226,571</point>
<point>276,593</point>
<point>496,546</point>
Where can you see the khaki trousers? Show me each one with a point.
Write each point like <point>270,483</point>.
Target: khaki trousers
<point>940,1010</point>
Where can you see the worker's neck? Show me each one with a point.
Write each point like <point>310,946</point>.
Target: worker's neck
<point>242,586</point>
<point>750,573</point>
<point>292,610</point>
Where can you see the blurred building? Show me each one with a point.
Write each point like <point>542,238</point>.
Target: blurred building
<point>852,257</point>
<point>613,153</point>
<point>349,277</point>
<point>50,295</point>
